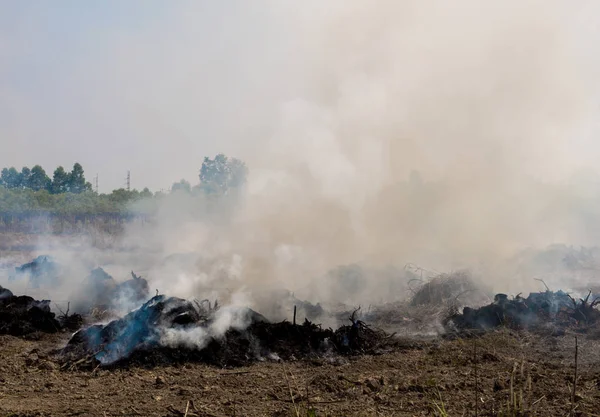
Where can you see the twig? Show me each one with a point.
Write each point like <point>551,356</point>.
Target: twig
<point>573,301</point>
<point>543,282</point>
<point>353,315</point>
<point>187,407</point>
<point>291,393</point>
<point>538,400</point>
<point>476,379</point>
<point>65,315</point>
<point>574,380</point>
<point>307,394</point>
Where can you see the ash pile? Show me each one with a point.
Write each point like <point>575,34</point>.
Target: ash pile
<point>173,330</point>
<point>547,310</point>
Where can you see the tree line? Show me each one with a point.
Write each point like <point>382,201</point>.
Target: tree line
<point>31,191</point>
<point>36,179</point>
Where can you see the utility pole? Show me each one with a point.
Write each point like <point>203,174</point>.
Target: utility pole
<point>128,180</point>
<point>96,183</point>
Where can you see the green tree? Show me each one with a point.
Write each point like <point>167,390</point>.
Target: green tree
<point>10,178</point>
<point>182,185</point>
<point>146,193</point>
<point>76,180</point>
<point>38,180</point>
<point>24,177</point>
<point>60,181</point>
<point>220,174</point>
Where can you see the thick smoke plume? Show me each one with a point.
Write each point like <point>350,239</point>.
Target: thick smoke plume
<point>377,133</point>
<point>396,132</point>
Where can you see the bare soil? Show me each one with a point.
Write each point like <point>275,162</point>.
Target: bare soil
<point>513,373</point>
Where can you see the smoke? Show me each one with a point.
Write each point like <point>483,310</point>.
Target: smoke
<point>487,104</point>
<point>375,133</point>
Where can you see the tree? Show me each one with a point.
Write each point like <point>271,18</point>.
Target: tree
<point>222,173</point>
<point>38,180</point>
<point>76,180</point>
<point>60,181</point>
<point>182,185</point>
<point>24,177</point>
<point>146,193</point>
<point>10,178</point>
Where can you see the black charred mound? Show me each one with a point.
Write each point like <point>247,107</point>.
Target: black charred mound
<point>22,315</point>
<point>538,310</point>
<point>171,330</point>
<point>103,292</point>
<point>42,270</point>
<point>134,291</point>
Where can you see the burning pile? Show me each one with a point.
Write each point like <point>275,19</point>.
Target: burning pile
<point>168,329</point>
<point>537,310</point>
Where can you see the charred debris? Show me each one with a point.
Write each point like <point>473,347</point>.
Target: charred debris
<point>172,330</point>
<point>23,316</point>
<point>161,329</point>
<point>448,296</point>
<point>43,270</point>
<point>541,311</point>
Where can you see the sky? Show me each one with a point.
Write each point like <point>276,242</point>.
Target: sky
<point>153,87</point>
<point>118,86</point>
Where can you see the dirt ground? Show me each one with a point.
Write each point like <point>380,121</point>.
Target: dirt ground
<point>515,374</point>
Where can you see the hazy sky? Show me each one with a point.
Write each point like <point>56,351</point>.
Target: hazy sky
<point>117,86</point>
<point>154,86</point>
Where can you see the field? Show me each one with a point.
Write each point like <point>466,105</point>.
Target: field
<point>515,374</point>
<point>499,373</point>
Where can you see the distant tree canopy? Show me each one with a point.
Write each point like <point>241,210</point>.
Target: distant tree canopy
<point>32,190</point>
<point>182,185</point>
<point>36,179</point>
<point>221,174</point>
<point>88,203</point>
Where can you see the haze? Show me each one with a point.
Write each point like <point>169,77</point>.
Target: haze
<point>332,105</point>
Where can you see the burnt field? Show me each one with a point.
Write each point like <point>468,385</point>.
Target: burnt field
<point>505,372</point>
<point>448,349</point>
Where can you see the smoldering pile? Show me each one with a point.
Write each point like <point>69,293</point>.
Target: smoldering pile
<point>22,315</point>
<point>95,295</point>
<point>105,294</point>
<point>171,330</point>
<point>43,270</point>
<point>443,289</point>
<point>541,311</point>
<point>98,292</point>
<point>433,298</point>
